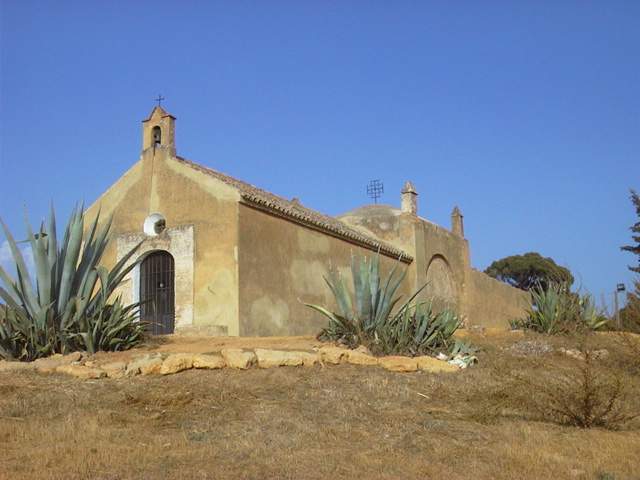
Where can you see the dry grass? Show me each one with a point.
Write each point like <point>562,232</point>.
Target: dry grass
<point>296,423</point>
<point>586,394</point>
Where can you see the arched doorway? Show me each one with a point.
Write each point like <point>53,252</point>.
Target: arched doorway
<point>441,286</point>
<point>157,292</point>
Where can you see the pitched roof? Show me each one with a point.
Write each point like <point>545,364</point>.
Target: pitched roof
<point>163,113</point>
<point>294,211</point>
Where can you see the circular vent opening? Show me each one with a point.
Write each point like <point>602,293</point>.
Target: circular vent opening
<point>154,224</point>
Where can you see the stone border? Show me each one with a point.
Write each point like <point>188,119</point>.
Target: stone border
<point>81,366</point>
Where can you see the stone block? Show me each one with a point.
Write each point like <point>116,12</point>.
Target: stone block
<point>81,371</point>
<point>578,355</point>
<point>398,364</point>
<point>332,354</point>
<point>176,362</point>
<point>208,361</point>
<point>149,364</point>
<point>16,366</point>
<point>277,358</point>
<point>431,364</point>
<point>50,364</point>
<point>238,358</point>
<point>359,357</point>
<point>114,369</point>
<point>309,359</point>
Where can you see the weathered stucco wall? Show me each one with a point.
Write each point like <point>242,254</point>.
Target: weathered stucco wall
<point>159,183</point>
<point>440,257</point>
<point>126,202</point>
<point>192,197</point>
<point>283,263</point>
<point>441,265</point>
<point>480,299</point>
<point>491,303</point>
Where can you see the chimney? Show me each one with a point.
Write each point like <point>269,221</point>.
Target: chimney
<point>409,199</point>
<point>457,225</point>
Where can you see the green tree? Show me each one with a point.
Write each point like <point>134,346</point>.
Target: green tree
<point>630,314</point>
<point>529,270</point>
<point>635,235</point>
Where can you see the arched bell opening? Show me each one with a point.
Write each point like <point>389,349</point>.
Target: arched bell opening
<point>156,136</point>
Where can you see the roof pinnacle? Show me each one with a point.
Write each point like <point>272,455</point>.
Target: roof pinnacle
<point>409,188</point>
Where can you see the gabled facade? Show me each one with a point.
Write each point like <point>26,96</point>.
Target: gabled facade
<point>221,256</point>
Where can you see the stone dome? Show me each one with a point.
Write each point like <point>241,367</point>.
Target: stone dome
<point>381,221</point>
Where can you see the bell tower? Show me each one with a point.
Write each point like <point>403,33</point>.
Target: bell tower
<point>159,130</point>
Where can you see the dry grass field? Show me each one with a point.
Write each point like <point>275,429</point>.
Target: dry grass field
<point>323,422</point>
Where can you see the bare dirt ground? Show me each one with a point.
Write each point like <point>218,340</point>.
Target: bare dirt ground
<point>340,421</point>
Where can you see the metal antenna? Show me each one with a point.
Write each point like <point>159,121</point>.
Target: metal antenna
<point>375,189</point>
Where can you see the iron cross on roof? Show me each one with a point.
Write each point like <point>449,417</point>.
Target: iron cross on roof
<point>159,99</point>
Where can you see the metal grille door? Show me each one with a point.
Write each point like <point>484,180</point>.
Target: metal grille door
<point>157,293</point>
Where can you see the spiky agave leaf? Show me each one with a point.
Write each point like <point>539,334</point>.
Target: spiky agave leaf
<point>361,273</point>
<point>71,248</point>
<point>21,287</point>
<point>340,292</point>
<point>590,315</point>
<point>386,296</point>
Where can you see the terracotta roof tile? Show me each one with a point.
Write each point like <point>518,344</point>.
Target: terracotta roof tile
<point>294,211</point>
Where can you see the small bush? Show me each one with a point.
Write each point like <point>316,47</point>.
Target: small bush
<point>630,344</point>
<point>367,316</point>
<point>585,395</point>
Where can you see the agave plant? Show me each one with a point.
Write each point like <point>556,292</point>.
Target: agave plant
<point>418,330</point>
<point>591,316</point>
<point>464,350</point>
<point>15,333</point>
<point>66,305</point>
<point>371,306</point>
<point>553,310</point>
<point>367,316</point>
<point>111,327</point>
<point>557,310</point>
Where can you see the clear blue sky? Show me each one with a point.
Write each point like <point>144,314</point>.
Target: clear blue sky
<point>525,114</point>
